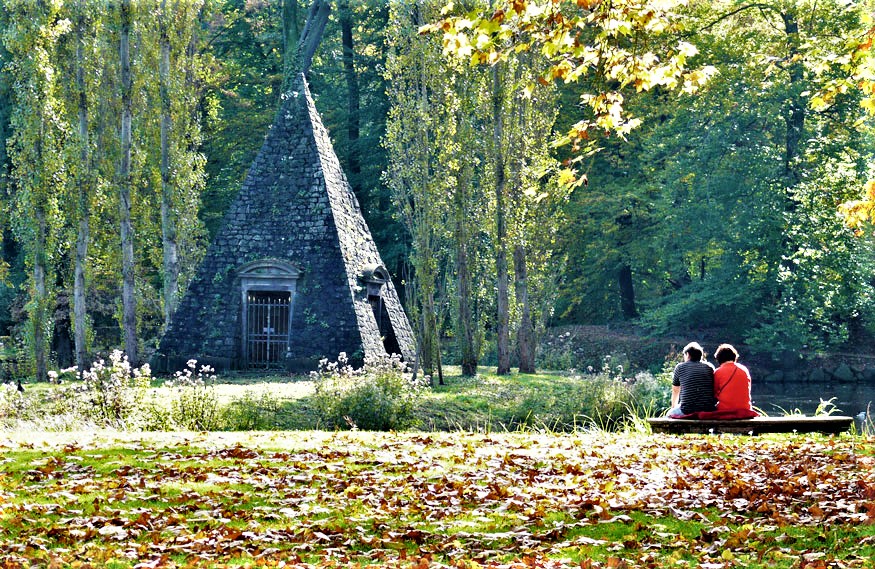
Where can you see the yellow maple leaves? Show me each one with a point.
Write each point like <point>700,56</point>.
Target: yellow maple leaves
<point>858,213</point>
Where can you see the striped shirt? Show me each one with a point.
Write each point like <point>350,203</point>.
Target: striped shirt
<point>696,380</point>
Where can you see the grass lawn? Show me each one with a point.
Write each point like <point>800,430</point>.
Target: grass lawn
<point>500,499</point>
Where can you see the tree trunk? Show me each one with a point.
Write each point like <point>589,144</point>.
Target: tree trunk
<point>311,35</point>
<point>526,333</point>
<point>291,38</point>
<point>430,353</point>
<point>169,240</point>
<point>129,300</point>
<point>62,342</point>
<point>353,118</point>
<point>627,292</point>
<point>794,117</point>
<point>83,235</point>
<point>795,113</point>
<point>39,316</point>
<point>470,361</point>
<point>467,338</point>
<point>467,327</point>
<point>502,339</point>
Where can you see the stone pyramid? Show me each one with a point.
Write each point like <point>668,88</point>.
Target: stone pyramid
<point>294,275</point>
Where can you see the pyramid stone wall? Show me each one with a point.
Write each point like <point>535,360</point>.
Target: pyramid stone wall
<point>295,207</point>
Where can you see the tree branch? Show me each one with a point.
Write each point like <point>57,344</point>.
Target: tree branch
<point>756,6</point>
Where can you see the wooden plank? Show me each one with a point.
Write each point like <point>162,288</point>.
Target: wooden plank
<point>828,424</point>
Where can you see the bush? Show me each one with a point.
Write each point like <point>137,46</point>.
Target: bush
<point>113,395</point>
<point>194,406</point>
<point>651,394</point>
<point>14,405</point>
<point>253,412</point>
<point>377,397</point>
<point>603,398</point>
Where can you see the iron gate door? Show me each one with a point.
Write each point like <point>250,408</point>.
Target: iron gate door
<point>267,327</point>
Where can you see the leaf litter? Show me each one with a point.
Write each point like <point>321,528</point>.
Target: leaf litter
<point>441,500</point>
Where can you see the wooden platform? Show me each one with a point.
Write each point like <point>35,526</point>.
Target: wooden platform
<point>829,424</point>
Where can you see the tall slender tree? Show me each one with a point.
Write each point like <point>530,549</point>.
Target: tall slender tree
<point>353,119</point>
<point>129,299</point>
<point>466,217</point>
<point>502,332</point>
<point>416,135</point>
<point>36,150</point>
<point>84,188</point>
<point>168,217</point>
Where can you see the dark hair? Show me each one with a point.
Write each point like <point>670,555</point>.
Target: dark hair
<point>725,353</point>
<point>695,351</point>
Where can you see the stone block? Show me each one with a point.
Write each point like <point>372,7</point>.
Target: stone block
<point>844,373</point>
<point>818,375</point>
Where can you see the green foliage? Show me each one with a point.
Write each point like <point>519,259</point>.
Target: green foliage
<point>603,398</point>
<point>722,205</point>
<point>15,361</point>
<point>376,397</point>
<point>473,179</point>
<point>241,98</point>
<point>599,398</point>
<point>588,44</point>
<point>194,405</point>
<point>585,347</point>
<point>113,394</point>
<point>253,411</point>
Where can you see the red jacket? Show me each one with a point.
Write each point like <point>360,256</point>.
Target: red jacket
<point>732,386</point>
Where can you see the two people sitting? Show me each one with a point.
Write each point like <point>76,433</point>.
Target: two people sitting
<point>698,388</point>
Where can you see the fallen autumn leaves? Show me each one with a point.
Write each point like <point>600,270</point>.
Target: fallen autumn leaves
<point>430,500</point>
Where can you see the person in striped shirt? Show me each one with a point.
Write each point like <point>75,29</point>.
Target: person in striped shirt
<point>692,383</point>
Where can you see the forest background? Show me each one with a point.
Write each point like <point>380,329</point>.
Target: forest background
<point>718,187</point>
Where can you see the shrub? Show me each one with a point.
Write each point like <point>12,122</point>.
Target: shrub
<point>14,405</point>
<point>582,401</point>
<point>604,398</point>
<point>113,395</point>
<point>377,397</point>
<point>650,392</point>
<point>194,405</point>
<point>253,412</point>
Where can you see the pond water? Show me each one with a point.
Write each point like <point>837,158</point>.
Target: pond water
<point>778,398</point>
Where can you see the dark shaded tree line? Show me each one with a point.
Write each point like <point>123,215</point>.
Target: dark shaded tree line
<point>715,153</point>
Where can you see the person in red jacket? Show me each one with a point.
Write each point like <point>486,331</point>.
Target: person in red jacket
<point>731,380</point>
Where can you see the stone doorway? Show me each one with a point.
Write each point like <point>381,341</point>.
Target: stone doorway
<point>268,289</point>
<point>268,314</point>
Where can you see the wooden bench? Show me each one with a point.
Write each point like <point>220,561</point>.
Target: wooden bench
<point>828,424</point>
